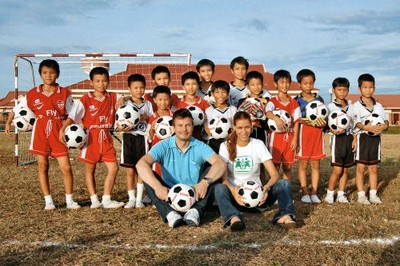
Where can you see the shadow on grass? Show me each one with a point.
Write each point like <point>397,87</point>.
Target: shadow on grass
<point>390,256</point>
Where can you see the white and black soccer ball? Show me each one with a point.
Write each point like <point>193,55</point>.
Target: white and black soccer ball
<point>251,104</point>
<point>181,197</point>
<point>338,120</point>
<point>163,127</point>
<point>315,110</point>
<point>282,114</point>
<point>374,119</point>
<point>197,114</point>
<point>75,136</point>
<point>219,127</point>
<point>127,116</point>
<point>24,119</point>
<point>252,193</point>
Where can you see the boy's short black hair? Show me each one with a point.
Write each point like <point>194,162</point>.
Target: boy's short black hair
<point>282,74</point>
<point>365,77</point>
<point>180,114</point>
<point>99,71</point>
<point>161,89</point>
<point>190,75</point>
<point>255,75</point>
<point>160,69</point>
<point>220,84</point>
<point>136,77</point>
<point>50,63</point>
<point>205,62</point>
<point>341,82</point>
<point>305,73</point>
<point>241,61</point>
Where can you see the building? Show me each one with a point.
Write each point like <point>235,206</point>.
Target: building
<point>7,104</point>
<point>390,102</point>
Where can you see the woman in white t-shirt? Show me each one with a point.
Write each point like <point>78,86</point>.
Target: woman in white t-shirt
<point>244,157</point>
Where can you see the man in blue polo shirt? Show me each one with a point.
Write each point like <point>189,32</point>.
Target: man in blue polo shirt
<point>181,158</point>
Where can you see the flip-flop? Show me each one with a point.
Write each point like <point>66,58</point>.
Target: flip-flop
<point>287,223</point>
<point>238,226</point>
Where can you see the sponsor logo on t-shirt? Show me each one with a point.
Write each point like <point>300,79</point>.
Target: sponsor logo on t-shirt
<point>243,164</point>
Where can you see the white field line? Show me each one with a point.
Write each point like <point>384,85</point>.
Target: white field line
<point>352,242</point>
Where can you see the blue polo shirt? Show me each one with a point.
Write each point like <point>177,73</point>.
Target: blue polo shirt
<point>178,167</point>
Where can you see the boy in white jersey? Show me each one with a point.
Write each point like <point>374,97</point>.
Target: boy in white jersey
<point>343,144</point>
<point>135,141</point>
<point>221,108</point>
<point>368,152</point>
<point>239,67</point>
<point>205,68</point>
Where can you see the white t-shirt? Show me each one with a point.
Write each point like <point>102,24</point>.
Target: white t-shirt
<point>248,161</point>
<point>360,111</point>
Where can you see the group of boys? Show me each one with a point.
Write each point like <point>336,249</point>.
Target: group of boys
<point>302,139</point>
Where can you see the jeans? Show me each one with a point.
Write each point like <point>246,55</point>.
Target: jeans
<point>217,195</point>
<point>281,192</point>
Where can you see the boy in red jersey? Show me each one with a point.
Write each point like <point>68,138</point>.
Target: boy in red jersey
<point>283,146</point>
<point>51,105</point>
<point>96,110</point>
<point>311,141</point>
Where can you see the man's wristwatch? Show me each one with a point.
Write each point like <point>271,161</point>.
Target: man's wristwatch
<point>208,180</point>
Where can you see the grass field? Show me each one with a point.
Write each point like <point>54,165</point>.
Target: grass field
<point>339,234</point>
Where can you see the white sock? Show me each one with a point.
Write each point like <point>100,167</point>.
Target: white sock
<point>131,194</point>
<point>361,194</point>
<point>340,193</point>
<point>106,199</point>
<point>68,198</point>
<point>329,193</point>
<point>139,195</point>
<point>94,198</point>
<point>372,193</point>
<point>48,199</point>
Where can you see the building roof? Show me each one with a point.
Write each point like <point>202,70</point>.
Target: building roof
<point>387,100</point>
<point>9,100</point>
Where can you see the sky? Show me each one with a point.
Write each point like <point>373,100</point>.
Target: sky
<point>333,38</point>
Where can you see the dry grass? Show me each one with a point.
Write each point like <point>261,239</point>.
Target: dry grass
<point>31,236</point>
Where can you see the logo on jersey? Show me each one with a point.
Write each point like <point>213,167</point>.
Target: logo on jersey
<point>38,104</point>
<point>243,164</point>
<point>93,110</point>
<point>60,104</point>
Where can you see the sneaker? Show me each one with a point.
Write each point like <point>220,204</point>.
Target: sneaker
<point>174,219</point>
<point>139,204</point>
<point>306,199</point>
<point>328,199</point>
<point>95,205</point>
<point>146,200</point>
<point>192,217</point>
<point>363,200</point>
<point>73,205</point>
<point>315,199</point>
<point>130,204</point>
<point>375,200</point>
<point>342,199</point>
<point>112,204</point>
<point>49,206</point>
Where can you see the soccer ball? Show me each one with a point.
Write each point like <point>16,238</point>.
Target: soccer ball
<point>197,114</point>
<point>163,127</point>
<point>219,127</point>
<point>338,120</point>
<point>127,116</point>
<point>24,119</point>
<point>374,119</point>
<point>252,193</point>
<point>254,107</point>
<point>181,197</point>
<point>75,136</point>
<point>315,110</point>
<point>282,114</point>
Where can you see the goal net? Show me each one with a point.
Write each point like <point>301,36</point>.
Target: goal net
<point>74,75</point>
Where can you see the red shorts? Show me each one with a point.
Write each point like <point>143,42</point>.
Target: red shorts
<point>99,147</point>
<point>311,143</point>
<point>279,147</point>
<point>44,140</point>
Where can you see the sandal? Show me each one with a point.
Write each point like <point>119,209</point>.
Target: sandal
<point>286,222</point>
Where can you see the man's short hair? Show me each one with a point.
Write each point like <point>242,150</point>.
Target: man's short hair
<point>181,114</point>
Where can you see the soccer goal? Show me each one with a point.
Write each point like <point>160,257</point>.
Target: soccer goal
<point>74,75</point>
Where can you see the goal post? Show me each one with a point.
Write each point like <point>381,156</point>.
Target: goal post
<point>74,75</point>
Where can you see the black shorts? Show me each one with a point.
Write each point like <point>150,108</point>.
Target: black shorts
<point>215,144</point>
<point>368,149</point>
<point>341,151</point>
<point>132,149</point>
